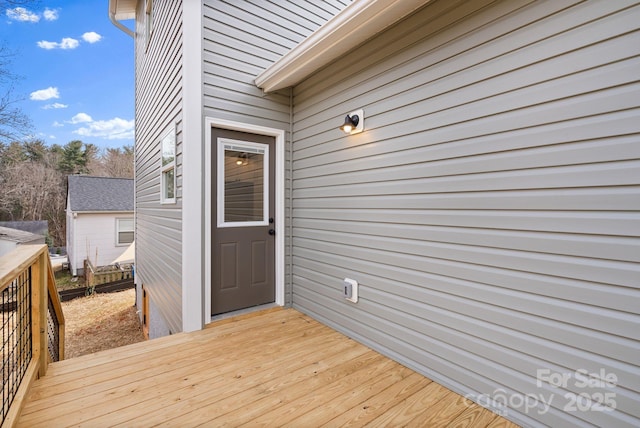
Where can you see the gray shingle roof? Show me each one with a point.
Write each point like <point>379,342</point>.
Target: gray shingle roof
<point>20,236</point>
<point>39,227</point>
<point>100,193</point>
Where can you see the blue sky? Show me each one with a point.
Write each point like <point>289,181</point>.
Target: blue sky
<point>77,71</point>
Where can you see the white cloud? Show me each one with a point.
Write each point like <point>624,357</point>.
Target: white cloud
<point>91,37</point>
<point>50,14</point>
<point>22,14</point>
<point>66,43</point>
<point>47,45</point>
<point>57,124</point>
<point>81,118</point>
<point>44,94</point>
<point>69,43</point>
<point>43,135</point>
<point>113,129</point>
<point>55,105</point>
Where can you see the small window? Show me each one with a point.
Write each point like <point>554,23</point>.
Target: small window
<point>124,231</point>
<point>168,182</point>
<point>243,183</point>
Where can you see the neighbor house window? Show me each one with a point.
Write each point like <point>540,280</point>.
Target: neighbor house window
<point>168,182</point>
<point>124,231</point>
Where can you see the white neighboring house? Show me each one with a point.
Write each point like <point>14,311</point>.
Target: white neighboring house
<point>100,222</point>
<point>11,238</point>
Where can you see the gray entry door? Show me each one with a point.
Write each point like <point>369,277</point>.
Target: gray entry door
<point>243,265</point>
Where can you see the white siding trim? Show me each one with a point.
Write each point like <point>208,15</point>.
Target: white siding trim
<point>356,23</point>
<point>192,315</point>
<point>74,218</point>
<point>210,123</point>
<point>72,243</point>
<point>102,212</point>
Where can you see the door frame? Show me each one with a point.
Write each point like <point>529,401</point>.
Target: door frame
<point>278,134</point>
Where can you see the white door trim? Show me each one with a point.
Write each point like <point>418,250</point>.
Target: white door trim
<point>278,134</point>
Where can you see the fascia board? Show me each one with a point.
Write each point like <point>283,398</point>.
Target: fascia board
<point>355,24</point>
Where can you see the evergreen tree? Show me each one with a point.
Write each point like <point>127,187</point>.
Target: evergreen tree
<point>33,178</point>
<point>74,158</point>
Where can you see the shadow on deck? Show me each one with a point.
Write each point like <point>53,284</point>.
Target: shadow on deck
<point>276,368</point>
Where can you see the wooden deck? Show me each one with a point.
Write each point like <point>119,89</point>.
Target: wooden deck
<point>272,369</point>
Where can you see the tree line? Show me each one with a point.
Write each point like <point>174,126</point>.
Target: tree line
<point>33,178</point>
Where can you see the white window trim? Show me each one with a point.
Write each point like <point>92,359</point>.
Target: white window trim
<point>222,142</point>
<point>167,167</point>
<point>278,134</point>
<point>124,244</point>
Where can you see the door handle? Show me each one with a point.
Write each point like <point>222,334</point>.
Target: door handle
<point>272,232</point>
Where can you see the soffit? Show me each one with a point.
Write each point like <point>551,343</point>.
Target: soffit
<point>355,24</point>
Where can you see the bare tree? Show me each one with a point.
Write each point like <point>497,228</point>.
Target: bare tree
<point>14,123</point>
<point>118,163</point>
<point>32,187</point>
<point>33,178</point>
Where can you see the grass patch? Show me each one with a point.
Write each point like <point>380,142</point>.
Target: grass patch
<point>99,322</point>
<point>66,281</point>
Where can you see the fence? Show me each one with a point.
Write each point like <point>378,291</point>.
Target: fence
<point>32,324</point>
<point>110,287</point>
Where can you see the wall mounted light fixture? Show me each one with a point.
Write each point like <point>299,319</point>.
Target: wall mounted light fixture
<point>353,122</point>
<point>243,159</point>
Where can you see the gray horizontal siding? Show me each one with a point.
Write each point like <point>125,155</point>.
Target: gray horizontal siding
<point>240,40</point>
<point>158,108</point>
<point>491,208</point>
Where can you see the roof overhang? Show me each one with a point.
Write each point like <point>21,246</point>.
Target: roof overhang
<point>123,9</point>
<point>120,10</point>
<point>355,24</point>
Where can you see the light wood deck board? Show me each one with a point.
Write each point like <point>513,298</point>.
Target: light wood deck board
<point>67,387</point>
<point>272,369</point>
<point>230,387</point>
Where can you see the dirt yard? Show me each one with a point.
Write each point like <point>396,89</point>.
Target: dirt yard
<point>99,322</point>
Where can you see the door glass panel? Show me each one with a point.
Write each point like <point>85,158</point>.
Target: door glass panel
<point>243,192</point>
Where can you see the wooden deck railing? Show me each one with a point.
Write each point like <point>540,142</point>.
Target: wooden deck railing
<point>32,324</point>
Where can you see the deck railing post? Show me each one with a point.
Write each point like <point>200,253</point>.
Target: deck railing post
<point>39,312</point>
<point>35,310</point>
<point>43,261</point>
<point>27,272</point>
<point>57,309</point>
